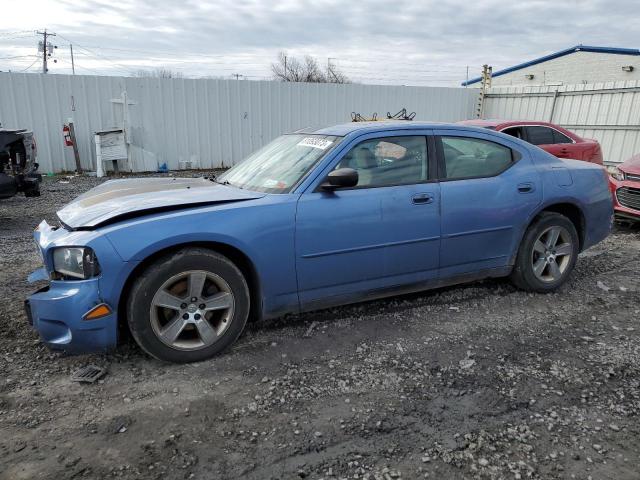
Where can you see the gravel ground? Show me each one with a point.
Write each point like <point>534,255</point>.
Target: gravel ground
<point>475,381</point>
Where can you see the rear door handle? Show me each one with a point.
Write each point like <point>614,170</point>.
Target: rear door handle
<point>526,187</point>
<point>422,198</point>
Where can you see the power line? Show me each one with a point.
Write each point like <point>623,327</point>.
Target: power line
<point>175,54</point>
<point>403,70</point>
<point>17,56</point>
<point>234,57</point>
<point>15,37</point>
<point>96,54</point>
<point>32,64</point>
<point>20,33</point>
<point>82,67</point>
<point>226,67</point>
<point>231,63</point>
<point>121,70</point>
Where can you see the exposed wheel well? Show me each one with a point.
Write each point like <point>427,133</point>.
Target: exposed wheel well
<point>573,213</point>
<point>236,256</point>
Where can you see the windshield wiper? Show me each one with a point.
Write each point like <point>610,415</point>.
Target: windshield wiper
<point>213,178</point>
<point>223,182</point>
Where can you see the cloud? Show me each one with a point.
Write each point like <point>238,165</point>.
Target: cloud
<point>375,41</point>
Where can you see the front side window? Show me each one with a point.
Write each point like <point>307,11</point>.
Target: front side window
<point>280,165</point>
<point>540,135</point>
<point>388,161</point>
<point>513,131</point>
<point>466,157</point>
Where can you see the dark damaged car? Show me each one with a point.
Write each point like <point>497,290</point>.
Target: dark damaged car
<point>18,167</point>
<point>314,219</point>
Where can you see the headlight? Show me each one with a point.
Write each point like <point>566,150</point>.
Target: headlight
<point>616,173</point>
<point>77,262</point>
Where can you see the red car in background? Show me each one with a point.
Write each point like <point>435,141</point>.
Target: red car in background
<point>552,138</point>
<point>624,183</point>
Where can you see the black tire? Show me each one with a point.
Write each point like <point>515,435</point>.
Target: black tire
<point>32,191</point>
<point>523,275</point>
<point>150,282</point>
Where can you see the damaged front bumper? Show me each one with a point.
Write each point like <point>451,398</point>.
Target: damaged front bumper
<point>59,311</point>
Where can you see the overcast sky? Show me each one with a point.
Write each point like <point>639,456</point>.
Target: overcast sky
<point>412,42</point>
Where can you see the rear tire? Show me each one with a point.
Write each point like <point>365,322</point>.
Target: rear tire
<point>188,306</point>
<point>32,190</point>
<point>547,254</point>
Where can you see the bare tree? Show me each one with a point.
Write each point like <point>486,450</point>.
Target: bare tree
<point>288,69</point>
<point>160,72</point>
<point>291,69</point>
<point>312,72</point>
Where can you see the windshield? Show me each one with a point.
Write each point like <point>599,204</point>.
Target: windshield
<point>281,164</point>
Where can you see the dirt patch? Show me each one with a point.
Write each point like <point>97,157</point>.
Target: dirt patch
<point>476,381</point>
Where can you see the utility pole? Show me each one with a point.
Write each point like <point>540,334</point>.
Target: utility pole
<point>73,65</point>
<point>485,85</point>
<point>237,75</point>
<point>330,68</point>
<point>45,48</point>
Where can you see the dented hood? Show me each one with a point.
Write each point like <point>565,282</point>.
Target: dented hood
<point>118,199</point>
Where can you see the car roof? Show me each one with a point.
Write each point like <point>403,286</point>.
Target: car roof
<point>494,122</point>
<point>344,129</point>
<point>478,122</point>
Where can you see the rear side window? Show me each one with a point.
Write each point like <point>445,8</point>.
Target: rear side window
<point>540,135</point>
<point>560,137</point>
<point>466,157</point>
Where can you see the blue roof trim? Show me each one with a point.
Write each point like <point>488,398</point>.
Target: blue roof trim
<point>561,53</point>
<point>344,129</point>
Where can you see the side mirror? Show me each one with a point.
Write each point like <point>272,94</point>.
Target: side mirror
<point>340,178</point>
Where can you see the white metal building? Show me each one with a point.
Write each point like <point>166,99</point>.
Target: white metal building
<point>575,65</point>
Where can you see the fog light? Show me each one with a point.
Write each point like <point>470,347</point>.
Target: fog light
<point>98,311</point>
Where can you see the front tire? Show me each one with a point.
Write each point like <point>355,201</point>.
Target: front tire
<point>547,254</point>
<point>188,306</point>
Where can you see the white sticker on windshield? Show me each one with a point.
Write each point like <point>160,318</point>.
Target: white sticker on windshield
<point>271,183</point>
<point>321,143</point>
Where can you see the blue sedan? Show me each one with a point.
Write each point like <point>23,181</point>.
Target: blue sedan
<point>314,219</point>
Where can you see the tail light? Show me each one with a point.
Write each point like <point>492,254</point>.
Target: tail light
<point>596,155</point>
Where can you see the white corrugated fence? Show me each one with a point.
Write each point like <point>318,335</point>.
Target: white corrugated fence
<point>203,123</point>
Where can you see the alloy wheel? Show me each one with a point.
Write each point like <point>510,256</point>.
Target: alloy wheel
<point>551,255</point>
<point>191,310</point>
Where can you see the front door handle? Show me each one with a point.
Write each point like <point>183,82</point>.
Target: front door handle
<point>422,198</point>
<point>526,187</point>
